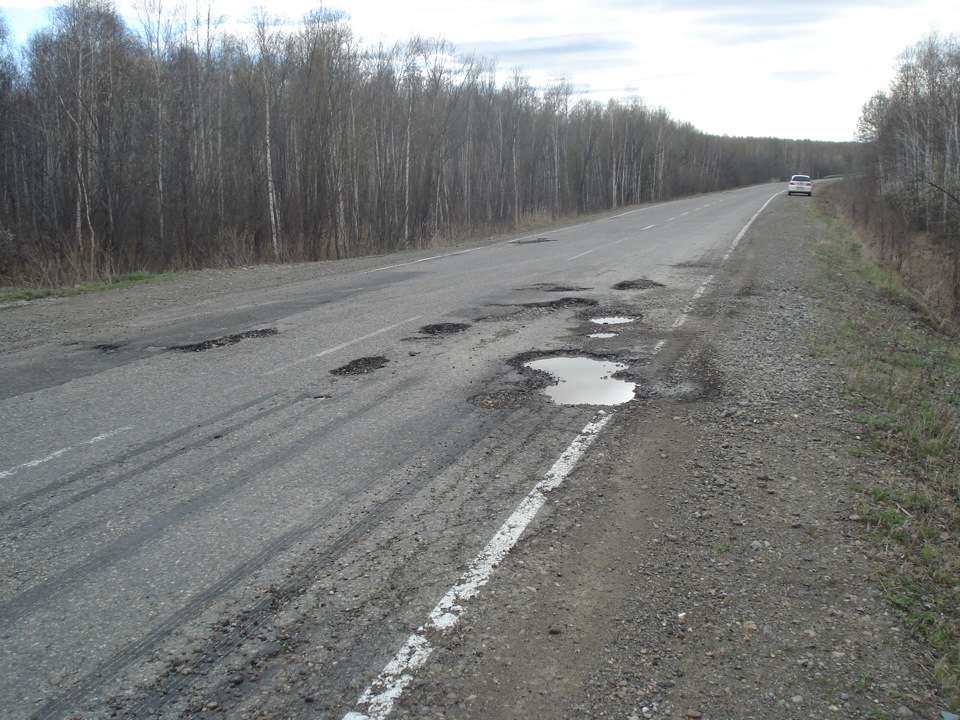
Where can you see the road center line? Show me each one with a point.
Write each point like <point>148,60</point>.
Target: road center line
<point>62,451</point>
<point>580,255</point>
<point>341,346</point>
<point>378,699</point>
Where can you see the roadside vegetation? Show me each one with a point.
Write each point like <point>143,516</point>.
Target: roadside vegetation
<point>902,366</point>
<point>111,283</point>
<point>175,144</point>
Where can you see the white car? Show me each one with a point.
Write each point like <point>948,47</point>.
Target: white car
<point>800,184</point>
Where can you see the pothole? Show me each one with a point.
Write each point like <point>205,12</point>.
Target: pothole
<point>642,284</point>
<point>561,303</point>
<point>613,320</point>
<point>584,381</point>
<point>444,329</point>
<point>107,347</point>
<point>361,366</point>
<point>547,287</point>
<point>533,241</point>
<point>225,341</point>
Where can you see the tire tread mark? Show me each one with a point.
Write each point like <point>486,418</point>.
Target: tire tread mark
<point>170,684</point>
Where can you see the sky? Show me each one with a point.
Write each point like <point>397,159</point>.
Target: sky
<point>797,69</point>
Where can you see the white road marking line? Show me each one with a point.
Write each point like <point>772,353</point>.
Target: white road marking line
<point>580,255</point>
<point>421,260</point>
<point>341,346</point>
<point>648,227</point>
<point>62,451</point>
<point>733,246</point>
<point>379,698</point>
<point>381,695</point>
<point>739,237</point>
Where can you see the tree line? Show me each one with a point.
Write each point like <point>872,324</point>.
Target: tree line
<point>909,196</point>
<point>175,144</point>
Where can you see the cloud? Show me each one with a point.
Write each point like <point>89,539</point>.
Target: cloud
<point>570,51</point>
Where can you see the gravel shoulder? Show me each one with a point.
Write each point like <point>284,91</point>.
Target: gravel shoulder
<point>706,560</point>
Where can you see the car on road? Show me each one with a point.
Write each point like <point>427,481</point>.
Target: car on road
<point>800,184</point>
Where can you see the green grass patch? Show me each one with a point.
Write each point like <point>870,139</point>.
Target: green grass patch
<point>112,283</point>
<point>902,368</point>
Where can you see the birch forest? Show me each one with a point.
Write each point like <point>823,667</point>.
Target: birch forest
<point>169,143</point>
<point>913,133</point>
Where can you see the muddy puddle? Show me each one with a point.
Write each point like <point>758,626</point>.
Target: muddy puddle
<point>584,381</point>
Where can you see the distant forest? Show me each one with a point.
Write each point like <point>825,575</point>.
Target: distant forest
<point>174,144</point>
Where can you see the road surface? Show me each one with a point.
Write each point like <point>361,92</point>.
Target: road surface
<point>200,484</point>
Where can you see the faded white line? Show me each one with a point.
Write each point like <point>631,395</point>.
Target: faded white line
<point>648,227</point>
<point>62,451</point>
<point>733,246</point>
<point>739,237</point>
<point>421,260</point>
<point>580,255</point>
<point>378,699</point>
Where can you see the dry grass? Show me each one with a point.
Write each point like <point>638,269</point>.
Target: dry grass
<point>903,372</point>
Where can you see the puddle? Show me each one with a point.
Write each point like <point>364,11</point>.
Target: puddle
<point>615,320</point>
<point>361,366</point>
<point>225,341</point>
<point>603,336</point>
<point>584,381</point>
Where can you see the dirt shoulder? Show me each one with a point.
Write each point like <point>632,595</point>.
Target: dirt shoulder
<point>707,559</point>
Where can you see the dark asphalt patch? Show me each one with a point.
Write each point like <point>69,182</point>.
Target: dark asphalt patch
<point>546,287</point>
<point>225,341</point>
<point>361,366</point>
<point>107,347</point>
<point>534,241</point>
<point>641,284</point>
<point>444,329</point>
<point>563,303</point>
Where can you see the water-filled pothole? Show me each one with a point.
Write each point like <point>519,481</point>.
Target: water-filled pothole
<point>613,320</point>
<point>603,335</point>
<point>584,381</point>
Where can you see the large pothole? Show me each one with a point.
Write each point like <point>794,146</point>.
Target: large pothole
<point>361,366</point>
<point>224,341</point>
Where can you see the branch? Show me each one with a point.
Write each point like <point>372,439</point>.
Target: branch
<point>943,190</point>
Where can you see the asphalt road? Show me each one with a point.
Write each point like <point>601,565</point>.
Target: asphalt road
<point>193,492</point>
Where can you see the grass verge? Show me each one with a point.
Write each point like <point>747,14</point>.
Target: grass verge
<point>903,376</point>
<point>114,282</point>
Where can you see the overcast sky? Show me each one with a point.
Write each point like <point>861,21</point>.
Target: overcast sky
<point>781,68</point>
